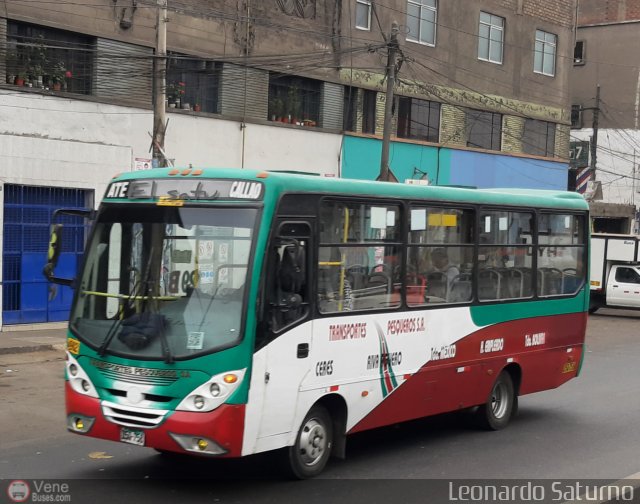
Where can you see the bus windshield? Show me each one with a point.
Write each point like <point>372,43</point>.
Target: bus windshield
<point>163,282</point>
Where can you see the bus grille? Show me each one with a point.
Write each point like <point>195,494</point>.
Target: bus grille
<point>129,416</point>
<point>142,380</point>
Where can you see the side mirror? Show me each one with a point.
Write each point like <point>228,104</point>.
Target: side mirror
<point>55,247</point>
<point>55,244</point>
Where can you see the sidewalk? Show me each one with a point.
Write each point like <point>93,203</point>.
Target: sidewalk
<point>14,339</point>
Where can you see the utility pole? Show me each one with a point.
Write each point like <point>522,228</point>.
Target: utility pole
<point>633,182</point>
<point>392,46</point>
<point>594,136</point>
<point>160,76</point>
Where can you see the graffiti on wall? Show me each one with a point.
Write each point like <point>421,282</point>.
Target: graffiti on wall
<point>461,97</point>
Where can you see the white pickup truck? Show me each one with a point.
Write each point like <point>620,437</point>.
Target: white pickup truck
<point>615,271</point>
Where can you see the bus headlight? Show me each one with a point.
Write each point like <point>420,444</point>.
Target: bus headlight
<point>212,393</point>
<point>78,379</point>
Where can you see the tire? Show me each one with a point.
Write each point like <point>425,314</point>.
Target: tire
<point>312,448</point>
<point>501,404</point>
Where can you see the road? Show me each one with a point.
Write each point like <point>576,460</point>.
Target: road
<point>587,428</point>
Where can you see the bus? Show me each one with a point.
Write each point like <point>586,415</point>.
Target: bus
<point>223,312</point>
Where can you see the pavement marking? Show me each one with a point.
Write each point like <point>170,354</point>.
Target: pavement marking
<point>99,455</point>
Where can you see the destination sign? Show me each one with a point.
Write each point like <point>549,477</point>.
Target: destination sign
<point>185,189</point>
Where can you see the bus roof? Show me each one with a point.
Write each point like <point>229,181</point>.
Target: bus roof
<point>287,181</point>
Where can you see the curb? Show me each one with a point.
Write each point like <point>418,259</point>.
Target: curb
<point>26,349</point>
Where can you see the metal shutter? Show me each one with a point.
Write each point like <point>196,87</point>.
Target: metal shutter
<point>123,71</point>
<point>331,105</point>
<point>234,80</point>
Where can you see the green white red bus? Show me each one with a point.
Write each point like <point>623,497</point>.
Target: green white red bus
<point>225,312</point>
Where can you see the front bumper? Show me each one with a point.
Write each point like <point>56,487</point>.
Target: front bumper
<point>224,425</point>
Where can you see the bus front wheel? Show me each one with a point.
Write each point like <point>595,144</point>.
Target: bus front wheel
<point>312,449</point>
<point>501,404</point>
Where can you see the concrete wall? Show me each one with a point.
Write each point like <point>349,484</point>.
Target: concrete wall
<point>600,11</point>
<point>446,166</point>
<point>453,61</point>
<point>610,61</point>
<point>72,143</point>
<point>81,144</point>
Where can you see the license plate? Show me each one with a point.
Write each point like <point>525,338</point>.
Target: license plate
<point>132,436</point>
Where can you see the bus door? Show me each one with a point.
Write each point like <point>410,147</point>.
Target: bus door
<point>288,325</point>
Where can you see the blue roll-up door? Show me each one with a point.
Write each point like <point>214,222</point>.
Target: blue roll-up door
<point>27,297</point>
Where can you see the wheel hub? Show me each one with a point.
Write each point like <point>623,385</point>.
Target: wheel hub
<point>313,442</point>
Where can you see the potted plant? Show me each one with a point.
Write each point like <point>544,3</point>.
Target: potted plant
<point>276,108</point>
<point>58,75</point>
<point>21,77</point>
<point>175,92</point>
<point>294,104</point>
<point>12,66</point>
<point>37,61</point>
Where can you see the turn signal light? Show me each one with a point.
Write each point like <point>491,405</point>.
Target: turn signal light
<point>230,378</point>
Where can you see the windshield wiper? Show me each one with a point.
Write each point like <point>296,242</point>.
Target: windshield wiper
<point>118,322</point>
<point>135,293</point>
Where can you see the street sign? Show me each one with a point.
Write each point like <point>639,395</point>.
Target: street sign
<point>579,154</point>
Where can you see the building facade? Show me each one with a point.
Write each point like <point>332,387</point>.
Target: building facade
<point>605,57</point>
<point>481,100</point>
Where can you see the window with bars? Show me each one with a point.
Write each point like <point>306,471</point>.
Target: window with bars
<point>484,129</point>
<point>421,21</point>
<point>544,58</point>
<point>418,119</point>
<point>193,83</point>
<point>539,138</point>
<point>490,38</point>
<point>294,100</point>
<point>39,56</point>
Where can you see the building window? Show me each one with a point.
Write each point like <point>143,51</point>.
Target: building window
<point>579,52</point>
<point>363,14</point>
<point>421,21</point>
<point>418,119</point>
<point>490,38</point>
<point>539,138</point>
<point>576,116</point>
<point>352,110</point>
<point>45,57</point>
<point>193,83</point>
<point>484,129</point>
<point>369,111</point>
<point>294,100</point>
<point>544,60</point>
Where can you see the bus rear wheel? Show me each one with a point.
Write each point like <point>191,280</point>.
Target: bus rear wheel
<point>312,448</point>
<point>501,404</point>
